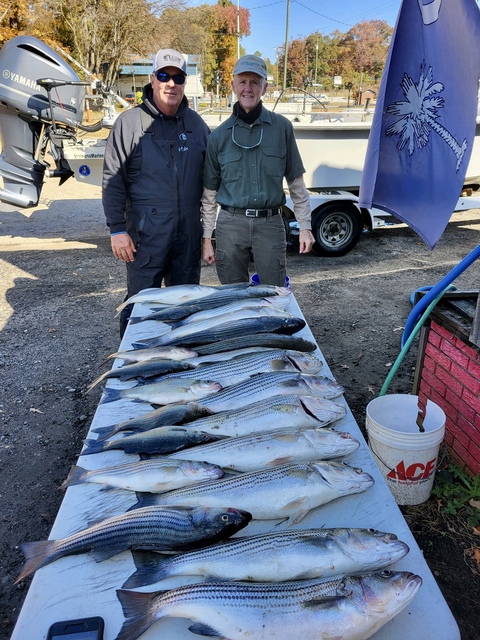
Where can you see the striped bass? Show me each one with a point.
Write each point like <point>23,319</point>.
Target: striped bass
<point>163,392</point>
<point>351,608</point>
<point>142,370</point>
<point>266,385</point>
<point>287,491</point>
<point>264,339</point>
<point>182,293</point>
<point>262,450</point>
<point>164,353</point>
<point>169,295</point>
<point>159,440</point>
<point>228,371</point>
<point>275,412</point>
<point>161,417</point>
<point>276,557</point>
<point>199,311</point>
<point>172,335</point>
<point>245,366</point>
<point>228,329</point>
<point>154,475</point>
<point>160,528</point>
<point>226,294</point>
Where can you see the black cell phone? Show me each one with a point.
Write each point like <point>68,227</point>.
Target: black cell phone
<point>82,629</point>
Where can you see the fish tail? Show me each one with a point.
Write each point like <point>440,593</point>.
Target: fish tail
<point>37,554</point>
<point>140,613</point>
<point>106,432</point>
<point>151,567</point>
<point>94,446</point>
<point>97,381</point>
<point>110,395</point>
<point>137,319</point>
<point>76,475</point>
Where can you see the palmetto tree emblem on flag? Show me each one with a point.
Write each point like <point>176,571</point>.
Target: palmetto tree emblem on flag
<point>419,115</point>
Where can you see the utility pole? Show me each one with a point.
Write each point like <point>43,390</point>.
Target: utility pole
<point>316,60</point>
<point>285,57</point>
<point>238,29</point>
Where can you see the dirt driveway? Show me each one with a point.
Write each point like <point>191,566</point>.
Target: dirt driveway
<point>59,286</point>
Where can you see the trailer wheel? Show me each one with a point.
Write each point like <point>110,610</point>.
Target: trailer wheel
<point>337,229</point>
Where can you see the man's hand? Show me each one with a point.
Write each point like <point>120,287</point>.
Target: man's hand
<point>123,247</point>
<point>306,241</point>
<point>208,253</point>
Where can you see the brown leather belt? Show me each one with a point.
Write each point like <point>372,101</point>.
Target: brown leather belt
<point>253,213</point>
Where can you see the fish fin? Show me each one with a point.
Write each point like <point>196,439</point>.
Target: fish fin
<point>139,611</point>
<point>205,630</point>
<point>151,567</point>
<point>99,554</point>
<point>94,446</point>
<point>37,554</point>
<point>145,500</point>
<point>110,395</point>
<point>107,487</point>
<point>297,509</point>
<point>76,475</point>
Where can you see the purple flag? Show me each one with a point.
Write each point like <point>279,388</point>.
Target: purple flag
<point>424,123</point>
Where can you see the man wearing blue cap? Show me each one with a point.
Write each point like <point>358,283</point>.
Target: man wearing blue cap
<point>152,183</point>
<point>248,156</point>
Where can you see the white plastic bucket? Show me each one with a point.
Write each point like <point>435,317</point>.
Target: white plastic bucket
<point>406,456</point>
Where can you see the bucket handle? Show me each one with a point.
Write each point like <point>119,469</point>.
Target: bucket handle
<point>440,457</point>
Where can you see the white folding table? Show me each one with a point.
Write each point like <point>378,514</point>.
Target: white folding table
<point>76,586</point>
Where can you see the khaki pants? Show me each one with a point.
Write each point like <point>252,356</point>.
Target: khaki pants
<point>237,235</point>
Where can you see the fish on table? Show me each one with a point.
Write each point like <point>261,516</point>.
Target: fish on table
<point>209,307</point>
<point>155,528</point>
<point>227,371</point>
<point>158,440</point>
<point>247,365</point>
<point>186,293</point>
<point>275,412</point>
<point>163,416</point>
<point>262,339</point>
<point>228,329</point>
<point>266,385</point>
<point>165,391</point>
<point>350,608</point>
<point>189,334</point>
<point>286,491</point>
<point>142,370</point>
<point>154,475</point>
<point>263,450</point>
<point>276,557</point>
<point>159,353</point>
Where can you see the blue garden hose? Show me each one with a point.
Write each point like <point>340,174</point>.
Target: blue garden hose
<point>440,287</point>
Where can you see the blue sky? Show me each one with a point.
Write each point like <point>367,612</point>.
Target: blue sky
<point>268,19</point>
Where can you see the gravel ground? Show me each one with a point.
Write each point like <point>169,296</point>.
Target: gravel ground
<point>59,286</point>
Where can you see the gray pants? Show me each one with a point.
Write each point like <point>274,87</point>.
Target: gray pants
<point>236,235</point>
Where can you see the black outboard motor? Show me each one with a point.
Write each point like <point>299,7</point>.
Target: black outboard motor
<point>41,99</point>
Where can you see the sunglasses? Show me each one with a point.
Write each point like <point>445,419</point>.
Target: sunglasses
<point>163,76</point>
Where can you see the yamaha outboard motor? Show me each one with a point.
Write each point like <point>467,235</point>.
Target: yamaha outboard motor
<point>41,101</point>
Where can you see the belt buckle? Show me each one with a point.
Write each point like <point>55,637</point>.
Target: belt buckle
<point>251,213</point>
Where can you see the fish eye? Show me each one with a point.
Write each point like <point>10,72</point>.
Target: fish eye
<point>386,573</point>
<point>225,517</point>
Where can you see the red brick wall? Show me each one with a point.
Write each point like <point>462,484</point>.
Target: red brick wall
<point>450,377</point>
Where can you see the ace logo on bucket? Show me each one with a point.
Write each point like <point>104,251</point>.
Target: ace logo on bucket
<point>415,472</point>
